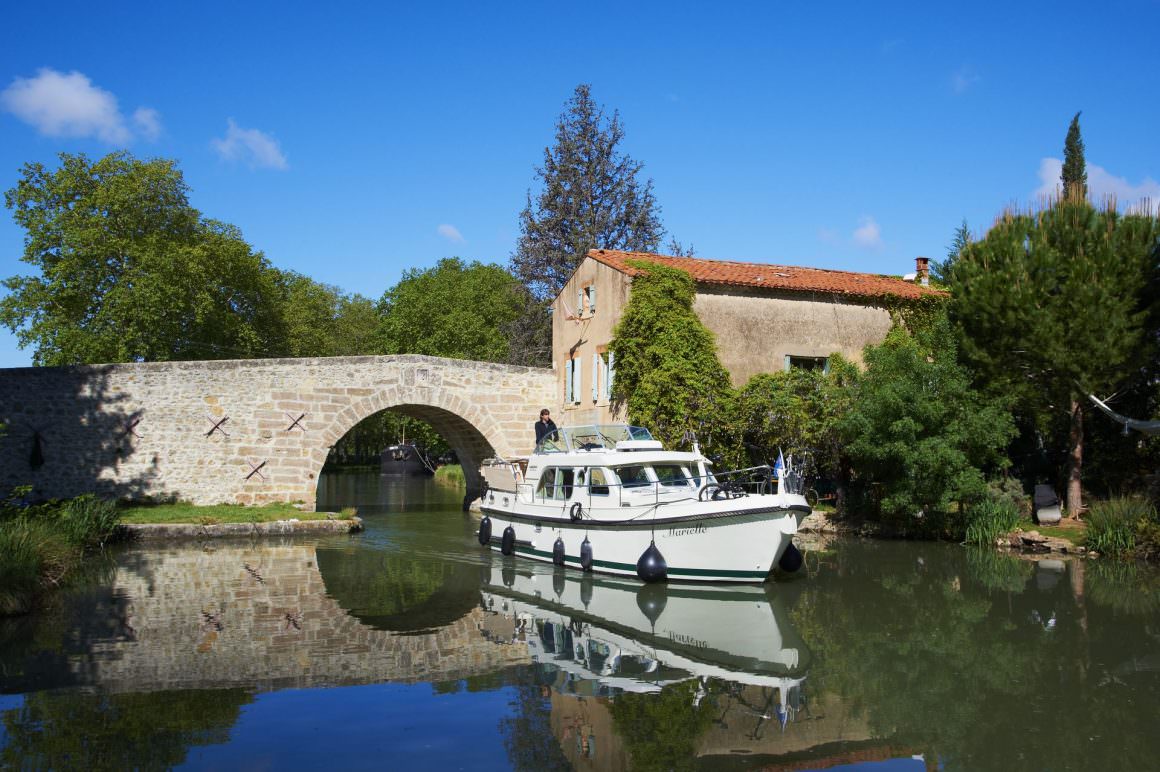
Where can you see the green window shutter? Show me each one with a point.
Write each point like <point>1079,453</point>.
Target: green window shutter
<point>787,363</point>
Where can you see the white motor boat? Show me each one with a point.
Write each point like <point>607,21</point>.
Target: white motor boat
<point>611,499</point>
<point>623,636</point>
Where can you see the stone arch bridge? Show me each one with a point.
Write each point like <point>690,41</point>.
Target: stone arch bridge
<point>245,431</point>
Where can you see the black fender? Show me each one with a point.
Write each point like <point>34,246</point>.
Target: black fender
<point>508,544</point>
<point>558,552</point>
<point>586,554</point>
<point>791,559</point>
<point>485,531</point>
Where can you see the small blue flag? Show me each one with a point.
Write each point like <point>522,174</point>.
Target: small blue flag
<point>779,467</point>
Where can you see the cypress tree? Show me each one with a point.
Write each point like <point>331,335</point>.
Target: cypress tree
<point>1074,174</point>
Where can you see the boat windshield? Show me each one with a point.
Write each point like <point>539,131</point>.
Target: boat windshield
<point>603,437</point>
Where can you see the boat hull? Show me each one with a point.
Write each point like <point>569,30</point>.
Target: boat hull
<point>738,544</point>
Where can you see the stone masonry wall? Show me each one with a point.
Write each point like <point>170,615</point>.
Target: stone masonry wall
<point>244,431</point>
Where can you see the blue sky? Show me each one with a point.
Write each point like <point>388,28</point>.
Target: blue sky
<point>351,141</point>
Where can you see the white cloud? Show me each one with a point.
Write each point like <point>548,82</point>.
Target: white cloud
<point>1101,184</point>
<point>451,233</point>
<point>69,105</point>
<point>254,147</point>
<point>963,78</point>
<point>148,123</point>
<point>868,235</point>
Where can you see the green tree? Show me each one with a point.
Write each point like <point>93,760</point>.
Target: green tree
<point>591,197</point>
<point>456,309</point>
<point>321,320</point>
<point>1050,305</point>
<point>668,376</point>
<point>1074,172</point>
<point>962,239</point>
<point>799,412</point>
<point>129,271</point>
<point>917,432</point>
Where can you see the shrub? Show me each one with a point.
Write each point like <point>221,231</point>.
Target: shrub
<point>1113,526</point>
<point>1009,490</point>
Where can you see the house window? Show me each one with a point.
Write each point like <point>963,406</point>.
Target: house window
<point>602,375</point>
<point>585,301</point>
<point>572,369</point>
<point>807,363</point>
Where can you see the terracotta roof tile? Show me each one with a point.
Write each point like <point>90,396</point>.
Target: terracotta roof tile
<point>781,277</point>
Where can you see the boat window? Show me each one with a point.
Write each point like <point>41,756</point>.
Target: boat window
<point>598,482</point>
<point>708,477</point>
<point>670,475</point>
<point>555,483</point>
<point>553,442</point>
<point>632,476</point>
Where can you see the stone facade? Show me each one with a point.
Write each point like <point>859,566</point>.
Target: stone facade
<point>245,431</point>
<point>759,325</point>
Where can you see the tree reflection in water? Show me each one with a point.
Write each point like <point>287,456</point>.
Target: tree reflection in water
<point>155,730</point>
<point>981,661</point>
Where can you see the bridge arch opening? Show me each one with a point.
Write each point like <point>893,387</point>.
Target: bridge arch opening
<point>472,437</point>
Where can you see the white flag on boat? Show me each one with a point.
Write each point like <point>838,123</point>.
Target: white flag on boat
<point>779,467</point>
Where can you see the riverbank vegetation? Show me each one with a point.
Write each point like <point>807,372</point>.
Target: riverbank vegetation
<point>182,512</point>
<point>450,474</point>
<point>42,546</point>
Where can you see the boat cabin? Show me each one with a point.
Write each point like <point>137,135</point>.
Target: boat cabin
<point>601,466</point>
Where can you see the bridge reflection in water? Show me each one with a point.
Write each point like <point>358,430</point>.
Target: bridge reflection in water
<point>241,618</point>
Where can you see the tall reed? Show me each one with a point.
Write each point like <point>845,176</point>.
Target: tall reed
<point>1113,525</point>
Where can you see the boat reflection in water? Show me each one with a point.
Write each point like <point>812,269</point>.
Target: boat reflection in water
<point>601,641</point>
<point>629,636</point>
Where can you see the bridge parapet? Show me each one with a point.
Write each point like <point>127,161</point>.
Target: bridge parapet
<point>245,431</point>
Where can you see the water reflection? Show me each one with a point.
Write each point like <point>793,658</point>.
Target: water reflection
<point>606,635</point>
<point>637,675</point>
<point>409,640</point>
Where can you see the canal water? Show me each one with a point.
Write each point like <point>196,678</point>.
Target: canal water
<point>409,647</point>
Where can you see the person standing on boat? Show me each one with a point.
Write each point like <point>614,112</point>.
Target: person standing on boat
<point>544,425</point>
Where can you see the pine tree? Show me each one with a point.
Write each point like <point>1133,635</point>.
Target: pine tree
<point>1051,305</point>
<point>592,198</point>
<point>1074,174</point>
<point>962,239</point>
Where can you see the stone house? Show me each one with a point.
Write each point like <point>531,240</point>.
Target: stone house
<point>765,318</point>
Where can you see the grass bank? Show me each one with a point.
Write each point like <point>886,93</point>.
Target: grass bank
<point>181,512</point>
<point>450,474</point>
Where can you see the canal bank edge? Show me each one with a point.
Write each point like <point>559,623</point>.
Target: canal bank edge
<point>1019,542</point>
<point>291,527</point>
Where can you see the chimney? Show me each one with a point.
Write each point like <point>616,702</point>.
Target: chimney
<point>922,271</point>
